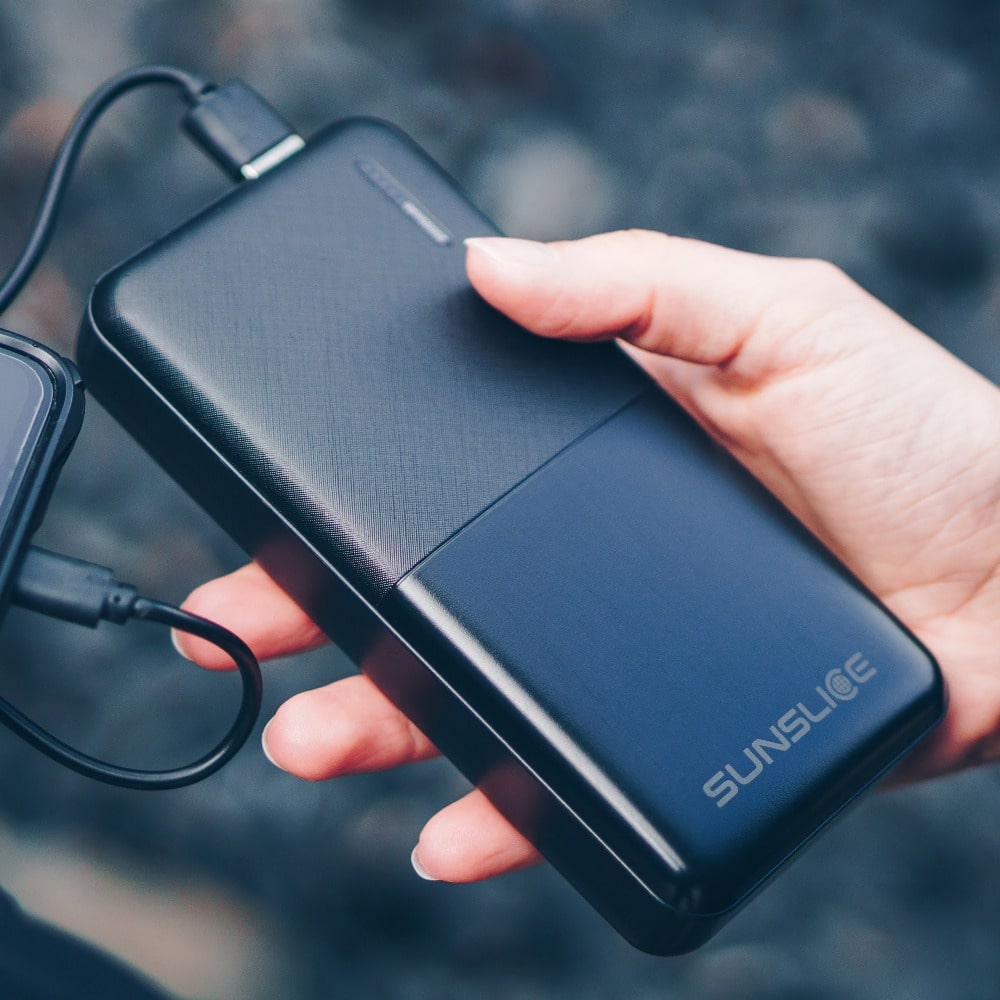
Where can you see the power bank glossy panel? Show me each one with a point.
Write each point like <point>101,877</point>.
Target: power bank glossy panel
<point>702,681</point>
<point>583,603</point>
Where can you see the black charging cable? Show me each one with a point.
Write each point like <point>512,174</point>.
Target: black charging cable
<point>239,130</point>
<point>233,124</point>
<point>86,594</point>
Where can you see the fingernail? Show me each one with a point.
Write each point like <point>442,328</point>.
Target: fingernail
<point>509,251</point>
<point>266,749</point>
<point>419,868</point>
<point>175,639</point>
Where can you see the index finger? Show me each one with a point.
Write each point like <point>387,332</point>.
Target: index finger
<point>669,295</point>
<point>251,604</point>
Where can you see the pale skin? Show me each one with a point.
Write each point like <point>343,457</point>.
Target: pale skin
<point>885,445</point>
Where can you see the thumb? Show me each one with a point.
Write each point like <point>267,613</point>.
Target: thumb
<point>679,297</point>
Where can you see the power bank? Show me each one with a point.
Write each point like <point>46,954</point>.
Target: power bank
<point>643,660</point>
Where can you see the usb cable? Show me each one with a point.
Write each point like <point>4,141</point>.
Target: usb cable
<point>231,123</point>
<point>87,594</point>
<point>238,129</point>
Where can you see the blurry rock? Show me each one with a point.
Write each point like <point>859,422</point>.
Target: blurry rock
<point>735,61</point>
<point>861,958</point>
<point>184,32</point>
<point>704,120</point>
<point>806,224</point>
<point>502,63</point>
<point>580,9</point>
<point>191,938</point>
<point>381,835</point>
<point>932,233</point>
<point>921,92</point>
<point>499,927</point>
<point>981,339</point>
<point>46,310</point>
<point>690,187</point>
<point>266,26</point>
<point>443,121</point>
<point>748,972</point>
<point>71,47</point>
<point>16,64</point>
<point>405,12</point>
<point>549,187</point>
<point>33,135</point>
<point>821,127</point>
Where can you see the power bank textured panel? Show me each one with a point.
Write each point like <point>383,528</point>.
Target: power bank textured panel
<point>378,412</point>
<point>637,654</point>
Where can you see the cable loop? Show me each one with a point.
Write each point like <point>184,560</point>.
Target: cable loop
<point>191,87</point>
<point>124,777</point>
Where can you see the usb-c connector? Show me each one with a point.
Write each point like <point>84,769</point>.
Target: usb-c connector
<point>238,129</point>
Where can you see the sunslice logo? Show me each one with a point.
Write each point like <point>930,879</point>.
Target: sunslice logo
<point>839,686</point>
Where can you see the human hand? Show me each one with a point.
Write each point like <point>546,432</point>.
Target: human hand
<point>885,445</point>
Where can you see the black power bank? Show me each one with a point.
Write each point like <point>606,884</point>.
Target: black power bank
<point>639,656</point>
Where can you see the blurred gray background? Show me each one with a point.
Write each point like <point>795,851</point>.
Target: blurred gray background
<point>864,133</point>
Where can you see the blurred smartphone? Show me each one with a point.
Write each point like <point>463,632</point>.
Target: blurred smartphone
<point>41,409</point>
<point>649,667</point>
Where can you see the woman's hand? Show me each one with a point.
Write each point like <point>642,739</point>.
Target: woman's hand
<point>885,445</point>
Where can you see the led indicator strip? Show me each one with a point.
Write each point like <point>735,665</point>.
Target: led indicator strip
<point>378,176</point>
